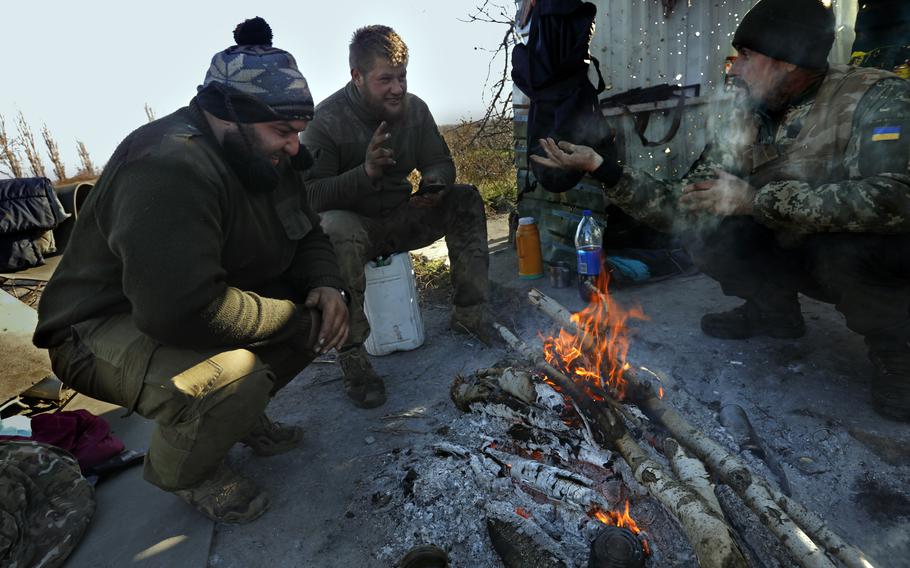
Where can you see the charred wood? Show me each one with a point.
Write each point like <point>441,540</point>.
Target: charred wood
<point>791,522</point>
<point>709,535</point>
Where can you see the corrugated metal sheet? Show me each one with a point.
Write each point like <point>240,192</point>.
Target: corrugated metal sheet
<point>638,46</point>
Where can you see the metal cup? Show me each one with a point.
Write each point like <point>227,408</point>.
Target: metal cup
<point>559,274</point>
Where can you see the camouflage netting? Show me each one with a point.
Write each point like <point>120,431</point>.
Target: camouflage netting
<point>45,504</point>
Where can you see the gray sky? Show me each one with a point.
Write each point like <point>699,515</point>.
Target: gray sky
<point>87,68</point>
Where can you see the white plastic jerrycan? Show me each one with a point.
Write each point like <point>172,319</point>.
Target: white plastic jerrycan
<point>391,306</point>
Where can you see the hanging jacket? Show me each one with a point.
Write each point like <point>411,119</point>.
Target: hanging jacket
<point>552,70</point>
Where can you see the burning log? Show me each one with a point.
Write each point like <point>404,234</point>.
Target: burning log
<point>790,521</point>
<point>709,535</point>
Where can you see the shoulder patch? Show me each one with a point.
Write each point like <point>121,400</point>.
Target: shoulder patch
<point>884,133</point>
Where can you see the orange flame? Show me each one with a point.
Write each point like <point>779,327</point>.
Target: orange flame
<point>617,519</point>
<point>597,354</point>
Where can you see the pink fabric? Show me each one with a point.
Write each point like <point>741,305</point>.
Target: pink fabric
<point>81,433</point>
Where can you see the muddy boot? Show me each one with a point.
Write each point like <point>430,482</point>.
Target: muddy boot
<point>891,384</point>
<point>749,320</point>
<point>269,438</point>
<point>476,321</point>
<point>226,497</point>
<point>361,383</point>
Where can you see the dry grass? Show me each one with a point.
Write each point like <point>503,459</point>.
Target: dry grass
<point>430,274</point>
<point>486,160</point>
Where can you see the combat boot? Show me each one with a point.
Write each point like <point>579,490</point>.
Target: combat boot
<point>269,438</point>
<point>476,321</point>
<point>750,320</point>
<point>226,497</point>
<point>361,383</point>
<point>891,384</point>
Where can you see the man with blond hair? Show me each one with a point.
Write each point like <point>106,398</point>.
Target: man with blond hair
<point>367,138</point>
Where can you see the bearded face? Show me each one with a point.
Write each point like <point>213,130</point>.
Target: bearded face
<point>384,89</point>
<point>261,151</point>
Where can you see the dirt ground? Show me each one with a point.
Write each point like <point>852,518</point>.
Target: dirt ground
<point>807,398</point>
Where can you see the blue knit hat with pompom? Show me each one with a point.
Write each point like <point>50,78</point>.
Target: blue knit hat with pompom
<point>255,82</point>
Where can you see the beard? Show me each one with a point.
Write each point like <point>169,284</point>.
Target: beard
<point>250,162</point>
<point>379,110</point>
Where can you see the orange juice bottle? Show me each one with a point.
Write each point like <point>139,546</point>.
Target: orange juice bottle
<point>527,241</point>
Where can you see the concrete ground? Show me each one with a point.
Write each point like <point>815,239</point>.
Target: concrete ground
<point>807,398</point>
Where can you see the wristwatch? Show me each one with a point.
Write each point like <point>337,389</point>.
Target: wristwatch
<point>344,296</point>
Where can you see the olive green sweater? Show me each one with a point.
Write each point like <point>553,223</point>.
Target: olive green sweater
<point>172,236</point>
<point>338,138</point>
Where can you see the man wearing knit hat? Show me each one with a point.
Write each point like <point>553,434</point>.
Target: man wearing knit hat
<point>197,282</point>
<point>805,190</point>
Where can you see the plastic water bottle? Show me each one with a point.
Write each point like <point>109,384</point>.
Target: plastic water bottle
<point>589,239</point>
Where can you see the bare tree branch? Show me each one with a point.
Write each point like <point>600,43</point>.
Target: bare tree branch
<point>53,150</point>
<point>88,168</point>
<point>9,154</point>
<point>149,112</point>
<point>498,112</point>
<point>27,140</point>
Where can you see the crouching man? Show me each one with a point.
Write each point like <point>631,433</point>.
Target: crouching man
<point>197,282</point>
<point>807,191</point>
<point>367,138</point>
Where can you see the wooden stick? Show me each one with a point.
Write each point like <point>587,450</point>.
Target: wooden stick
<point>692,472</point>
<point>709,535</point>
<point>777,511</point>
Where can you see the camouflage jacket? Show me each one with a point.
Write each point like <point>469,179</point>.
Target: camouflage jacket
<point>836,162</point>
<point>338,138</point>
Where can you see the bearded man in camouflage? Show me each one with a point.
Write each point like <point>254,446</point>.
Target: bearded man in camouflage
<point>807,189</point>
<point>367,138</point>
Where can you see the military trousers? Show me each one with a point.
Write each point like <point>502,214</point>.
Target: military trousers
<point>202,401</point>
<point>866,276</point>
<point>459,217</point>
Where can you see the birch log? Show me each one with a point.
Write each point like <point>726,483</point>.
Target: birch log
<point>709,535</point>
<point>789,520</point>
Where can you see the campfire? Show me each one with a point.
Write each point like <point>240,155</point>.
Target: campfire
<point>594,355</point>
<point>570,456</point>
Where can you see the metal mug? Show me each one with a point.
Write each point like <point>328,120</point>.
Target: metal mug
<point>560,274</point>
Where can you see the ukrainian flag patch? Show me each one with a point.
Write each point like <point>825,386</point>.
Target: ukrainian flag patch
<point>883,133</point>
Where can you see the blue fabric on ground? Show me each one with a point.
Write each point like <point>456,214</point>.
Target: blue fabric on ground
<point>632,269</point>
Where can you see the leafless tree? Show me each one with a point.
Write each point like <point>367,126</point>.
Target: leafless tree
<point>498,114</point>
<point>88,168</point>
<point>27,140</point>
<point>149,112</point>
<point>54,152</point>
<point>9,154</point>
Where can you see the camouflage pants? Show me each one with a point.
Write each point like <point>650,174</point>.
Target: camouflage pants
<point>865,276</point>
<point>459,217</point>
<point>202,401</point>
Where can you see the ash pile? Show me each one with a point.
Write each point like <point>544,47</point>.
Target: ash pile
<point>571,456</point>
<point>518,481</point>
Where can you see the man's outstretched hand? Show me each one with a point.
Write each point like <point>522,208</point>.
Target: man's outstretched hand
<point>334,329</point>
<point>725,196</point>
<point>568,156</point>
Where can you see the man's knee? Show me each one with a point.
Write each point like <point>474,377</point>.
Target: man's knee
<point>468,199</point>
<point>342,226</point>
<point>837,260</point>
<point>234,384</point>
